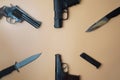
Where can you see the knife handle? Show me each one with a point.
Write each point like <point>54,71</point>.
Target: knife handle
<point>113,13</point>
<point>7,71</point>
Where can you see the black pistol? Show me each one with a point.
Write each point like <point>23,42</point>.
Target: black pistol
<point>15,14</point>
<point>61,70</point>
<point>60,8</point>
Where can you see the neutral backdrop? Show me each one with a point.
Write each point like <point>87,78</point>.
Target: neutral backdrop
<point>21,40</point>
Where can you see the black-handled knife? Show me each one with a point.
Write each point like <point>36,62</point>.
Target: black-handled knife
<point>18,65</point>
<point>7,71</point>
<point>104,20</point>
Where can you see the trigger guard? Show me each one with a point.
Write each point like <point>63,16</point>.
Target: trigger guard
<point>65,67</point>
<point>66,13</point>
<point>11,20</point>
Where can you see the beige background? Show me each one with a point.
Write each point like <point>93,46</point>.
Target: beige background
<point>21,40</point>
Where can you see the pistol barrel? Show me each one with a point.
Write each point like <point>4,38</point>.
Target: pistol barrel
<point>58,67</point>
<point>24,16</point>
<point>32,21</point>
<point>58,10</point>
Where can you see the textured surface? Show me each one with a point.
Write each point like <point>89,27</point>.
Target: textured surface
<point>22,40</point>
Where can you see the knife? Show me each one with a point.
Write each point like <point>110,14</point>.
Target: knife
<point>104,20</point>
<point>18,65</point>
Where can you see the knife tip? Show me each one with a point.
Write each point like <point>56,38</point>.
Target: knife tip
<point>88,30</point>
<point>39,54</point>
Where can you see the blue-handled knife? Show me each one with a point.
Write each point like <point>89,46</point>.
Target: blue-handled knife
<point>18,65</point>
<point>104,20</point>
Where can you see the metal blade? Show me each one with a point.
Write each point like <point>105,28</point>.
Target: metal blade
<point>26,61</point>
<point>98,24</point>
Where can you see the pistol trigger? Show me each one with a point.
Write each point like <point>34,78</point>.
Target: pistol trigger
<point>11,20</point>
<point>66,14</point>
<point>11,5</point>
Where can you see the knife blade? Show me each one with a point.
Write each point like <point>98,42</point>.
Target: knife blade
<point>104,20</point>
<point>18,65</point>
